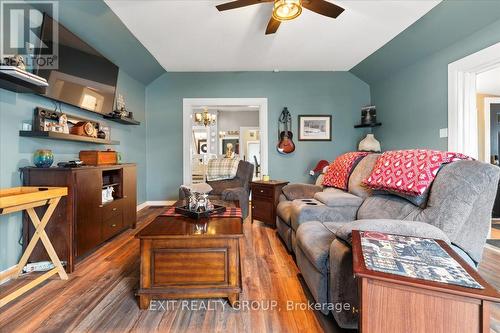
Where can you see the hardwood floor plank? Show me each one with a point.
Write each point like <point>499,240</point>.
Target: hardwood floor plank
<point>99,295</point>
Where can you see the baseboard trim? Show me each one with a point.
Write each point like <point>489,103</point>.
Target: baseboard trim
<point>155,203</point>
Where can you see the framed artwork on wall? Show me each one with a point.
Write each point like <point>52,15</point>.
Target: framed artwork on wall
<point>202,146</point>
<point>315,128</point>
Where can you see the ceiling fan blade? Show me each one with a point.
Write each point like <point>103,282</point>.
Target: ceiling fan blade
<point>323,7</point>
<point>238,4</point>
<point>272,26</point>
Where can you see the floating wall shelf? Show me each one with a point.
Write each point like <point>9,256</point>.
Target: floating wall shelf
<point>122,120</point>
<point>368,125</point>
<point>15,79</point>
<point>66,137</point>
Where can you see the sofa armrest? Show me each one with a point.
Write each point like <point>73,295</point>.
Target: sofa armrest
<point>300,191</point>
<point>398,227</point>
<point>343,287</point>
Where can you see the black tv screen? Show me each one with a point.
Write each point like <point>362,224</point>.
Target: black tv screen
<point>82,77</point>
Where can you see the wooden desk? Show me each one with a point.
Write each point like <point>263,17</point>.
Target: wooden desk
<point>188,258</point>
<point>28,198</point>
<point>393,303</point>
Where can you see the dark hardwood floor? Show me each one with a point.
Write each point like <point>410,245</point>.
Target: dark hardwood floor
<point>99,296</point>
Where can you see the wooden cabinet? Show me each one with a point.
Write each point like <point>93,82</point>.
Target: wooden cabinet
<point>265,196</point>
<point>396,303</point>
<point>82,222</point>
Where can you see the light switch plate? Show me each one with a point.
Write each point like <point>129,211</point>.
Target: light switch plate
<point>443,133</point>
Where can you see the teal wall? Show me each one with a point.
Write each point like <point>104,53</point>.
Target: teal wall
<point>96,24</point>
<point>339,94</point>
<point>411,92</point>
<point>17,151</point>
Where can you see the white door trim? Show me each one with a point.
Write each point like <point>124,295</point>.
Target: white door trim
<point>481,61</point>
<point>187,110</point>
<point>487,126</point>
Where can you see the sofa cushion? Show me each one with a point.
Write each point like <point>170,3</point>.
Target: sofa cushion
<point>360,173</point>
<point>338,199</point>
<point>387,207</point>
<point>314,239</point>
<point>284,211</point>
<point>300,191</point>
<point>396,227</point>
<point>303,212</point>
<point>340,169</point>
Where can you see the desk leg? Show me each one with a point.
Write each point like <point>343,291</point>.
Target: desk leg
<point>40,233</point>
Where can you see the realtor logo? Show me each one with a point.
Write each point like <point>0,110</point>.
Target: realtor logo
<point>28,33</point>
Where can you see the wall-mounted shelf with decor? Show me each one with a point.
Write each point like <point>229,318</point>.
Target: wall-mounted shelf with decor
<point>17,80</point>
<point>368,125</point>
<point>122,120</point>
<point>67,137</point>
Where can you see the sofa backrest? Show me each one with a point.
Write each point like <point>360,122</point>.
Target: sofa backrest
<point>362,171</point>
<point>460,203</point>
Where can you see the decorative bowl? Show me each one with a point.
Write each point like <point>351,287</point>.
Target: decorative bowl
<point>43,158</point>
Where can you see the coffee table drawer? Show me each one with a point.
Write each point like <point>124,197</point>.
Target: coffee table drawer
<point>189,266</point>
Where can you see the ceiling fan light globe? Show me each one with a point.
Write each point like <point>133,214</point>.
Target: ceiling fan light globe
<point>285,10</point>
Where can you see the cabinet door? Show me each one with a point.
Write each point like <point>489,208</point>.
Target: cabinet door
<point>129,196</point>
<point>88,210</point>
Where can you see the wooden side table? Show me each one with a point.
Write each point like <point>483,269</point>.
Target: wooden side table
<point>265,197</point>
<point>28,198</point>
<point>393,303</point>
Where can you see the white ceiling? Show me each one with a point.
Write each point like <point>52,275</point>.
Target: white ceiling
<point>192,35</point>
<point>489,82</point>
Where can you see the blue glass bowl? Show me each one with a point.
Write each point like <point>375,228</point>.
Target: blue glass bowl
<point>43,158</point>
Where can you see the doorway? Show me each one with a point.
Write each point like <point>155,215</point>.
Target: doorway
<point>473,116</point>
<point>237,124</point>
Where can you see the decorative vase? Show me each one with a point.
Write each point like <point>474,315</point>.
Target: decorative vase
<point>369,144</point>
<point>43,158</point>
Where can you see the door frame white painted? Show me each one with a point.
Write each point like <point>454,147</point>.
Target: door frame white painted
<point>188,104</point>
<point>487,126</point>
<point>475,63</point>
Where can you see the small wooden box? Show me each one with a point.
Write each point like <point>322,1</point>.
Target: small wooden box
<point>96,157</point>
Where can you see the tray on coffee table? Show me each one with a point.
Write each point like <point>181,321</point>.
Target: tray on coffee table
<point>184,210</point>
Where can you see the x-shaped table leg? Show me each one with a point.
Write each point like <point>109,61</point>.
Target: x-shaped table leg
<point>42,235</point>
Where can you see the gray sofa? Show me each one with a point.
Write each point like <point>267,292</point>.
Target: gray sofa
<point>301,203</point>
<point>458,211</point>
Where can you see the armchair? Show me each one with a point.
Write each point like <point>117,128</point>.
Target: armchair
<point>235,189</point>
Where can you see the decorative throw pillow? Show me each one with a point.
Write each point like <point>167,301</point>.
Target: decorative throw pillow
<point>339,170</point>
<point>409,172</point>
<point>222,169</point>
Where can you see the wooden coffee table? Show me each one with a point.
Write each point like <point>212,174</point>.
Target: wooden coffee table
<point>186,258</point>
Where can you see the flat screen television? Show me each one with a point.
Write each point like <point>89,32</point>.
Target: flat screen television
<point>83,78</point>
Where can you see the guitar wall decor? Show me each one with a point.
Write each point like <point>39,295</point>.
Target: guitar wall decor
<point>285,145</point>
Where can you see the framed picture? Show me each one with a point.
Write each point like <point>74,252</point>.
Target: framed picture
<point>202,146</point>
<point>235,143</point>
<point>315,128</point>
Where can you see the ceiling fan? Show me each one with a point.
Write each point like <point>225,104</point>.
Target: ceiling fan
<point>285,10</point>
